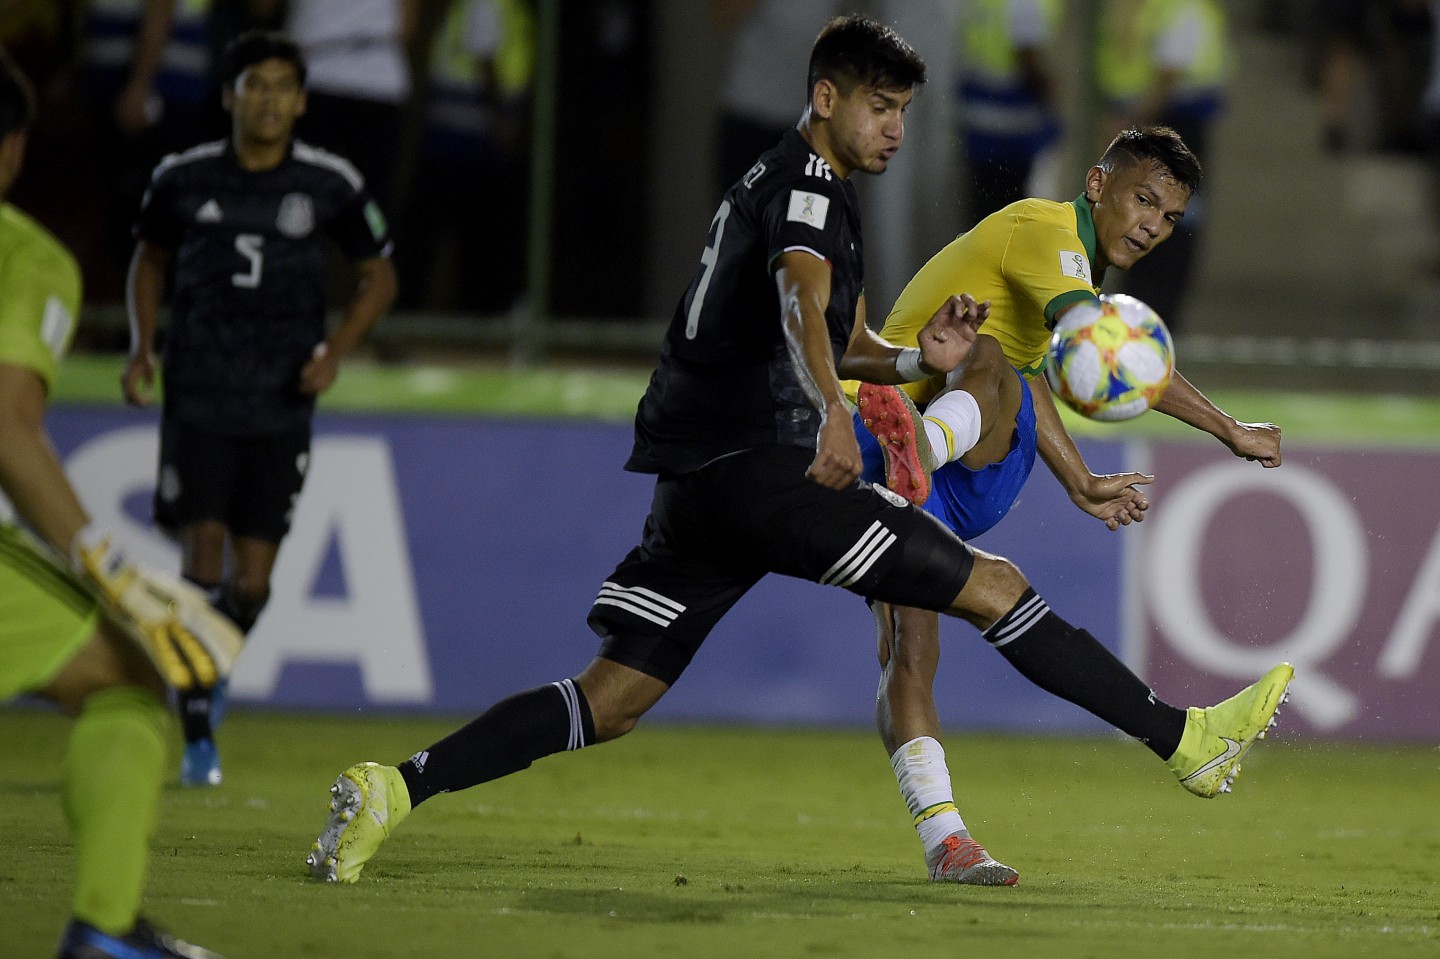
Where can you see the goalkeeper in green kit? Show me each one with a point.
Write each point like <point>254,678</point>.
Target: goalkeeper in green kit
<point>80,624</point>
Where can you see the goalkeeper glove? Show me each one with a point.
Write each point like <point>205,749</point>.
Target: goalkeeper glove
<point>191,645</point>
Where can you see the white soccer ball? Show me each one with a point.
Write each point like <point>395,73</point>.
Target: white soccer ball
<point>1110,360</point>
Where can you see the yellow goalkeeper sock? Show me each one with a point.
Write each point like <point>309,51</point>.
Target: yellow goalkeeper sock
<point>113,770</point>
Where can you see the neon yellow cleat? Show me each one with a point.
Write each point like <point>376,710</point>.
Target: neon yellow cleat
<point>367,802</point>
<point>1218,737</point>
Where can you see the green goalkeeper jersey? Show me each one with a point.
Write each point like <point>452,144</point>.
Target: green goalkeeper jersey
<point>39,295</point>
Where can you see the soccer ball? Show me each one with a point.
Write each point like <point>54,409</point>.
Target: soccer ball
<point>1112,360</point>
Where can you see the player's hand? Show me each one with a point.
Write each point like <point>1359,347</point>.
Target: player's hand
<point>1114,498</point>
<point>950,334</point>
<point>1257,442</point>
<point>837,461</point>
<point>190,644</point>
<point>138,380</point>
<point>320,371</point>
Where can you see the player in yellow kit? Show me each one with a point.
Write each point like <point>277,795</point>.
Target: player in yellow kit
<point>1032,261</point>
<point>79,635</point>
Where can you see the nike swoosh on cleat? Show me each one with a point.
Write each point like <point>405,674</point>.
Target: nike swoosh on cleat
<point>1232,749</point>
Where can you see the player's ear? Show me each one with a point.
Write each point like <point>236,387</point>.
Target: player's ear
<point>823,98</point>
<point>1095,183</point>
<point>301,103</point>
<point>227,97</point>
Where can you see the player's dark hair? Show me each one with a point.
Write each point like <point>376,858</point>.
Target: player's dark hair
<point>17,99</point>
<point>855,50</point>
<point>257,46</point>
<point>1156,143</point>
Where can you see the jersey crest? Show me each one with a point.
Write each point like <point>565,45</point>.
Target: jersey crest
<point>296,217</point>
<point>816,166</point>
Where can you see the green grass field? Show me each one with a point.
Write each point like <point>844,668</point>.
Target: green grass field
<point>701,842</point>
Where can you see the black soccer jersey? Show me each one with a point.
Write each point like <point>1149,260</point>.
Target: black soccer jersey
<point>725,381</point>
<point>250,254</point>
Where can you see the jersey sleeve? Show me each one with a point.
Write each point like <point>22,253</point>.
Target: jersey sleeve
<point>805,215</point>
<point>38,310</point>
<point>159,221</point>
<point>1046,264</point>
<point>360,228</point>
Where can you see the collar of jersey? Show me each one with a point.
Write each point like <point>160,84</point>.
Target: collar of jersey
<point>1085,226</point>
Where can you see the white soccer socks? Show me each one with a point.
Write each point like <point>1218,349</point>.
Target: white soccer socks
<point>925,785</point>
<point>952,424</point>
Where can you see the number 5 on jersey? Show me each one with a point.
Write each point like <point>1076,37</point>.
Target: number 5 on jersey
<point>249,245</point>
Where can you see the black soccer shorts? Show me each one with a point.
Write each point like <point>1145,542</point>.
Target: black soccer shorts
<point>249,483</point>
<point>714,533</point>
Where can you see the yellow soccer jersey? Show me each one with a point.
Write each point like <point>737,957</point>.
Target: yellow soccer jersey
<point>39,295</point>
<point>1030,260</point>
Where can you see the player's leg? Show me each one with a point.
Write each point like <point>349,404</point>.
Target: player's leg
<point>909,648</point>
<point>197,482</point>
<point>652,614</point>
<point>52,643</point>
<point>202,551</point>
<point>1203,747</point>
<point>972,420</point>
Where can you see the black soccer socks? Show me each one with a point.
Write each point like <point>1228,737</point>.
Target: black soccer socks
<point>1070,663</point>
<point>505,739</point>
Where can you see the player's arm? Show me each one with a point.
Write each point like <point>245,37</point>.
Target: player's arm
<point>1110,497</point>
<point>374,294</point>
<point>30,472</point>
<point>144,289</point>
<point>1257,442</point>
<point>803,281</point>
<point>132,106</point>
<point>942,344</point>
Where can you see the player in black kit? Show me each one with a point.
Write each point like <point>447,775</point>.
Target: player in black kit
<point>748,432</point>
<point>248,222</point>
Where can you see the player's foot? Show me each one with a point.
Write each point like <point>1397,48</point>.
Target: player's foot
<point>1218,737</point>
<point>896,424</point>
<point>961,859</point>
<point>84,941</point>
<point>200,764</point>
<point>367,802</point>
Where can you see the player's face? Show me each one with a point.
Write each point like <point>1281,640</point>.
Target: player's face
<point>867,126</point>
<point>1136,208</point>
<point>266,101</point>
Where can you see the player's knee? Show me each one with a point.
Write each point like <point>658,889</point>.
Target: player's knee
<point>994,586</point>
<point>108,661</point>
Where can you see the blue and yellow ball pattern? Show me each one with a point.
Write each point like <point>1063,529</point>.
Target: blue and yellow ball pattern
<point>1110,360</point>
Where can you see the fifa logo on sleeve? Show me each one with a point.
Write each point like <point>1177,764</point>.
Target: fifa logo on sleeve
<point>1076,265</point>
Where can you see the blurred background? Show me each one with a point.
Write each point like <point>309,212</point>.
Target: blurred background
<point>549,169</point>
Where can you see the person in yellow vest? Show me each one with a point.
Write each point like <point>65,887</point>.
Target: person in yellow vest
<point>1006,97</point>
<point>1165,61</point>
<point>472,181</point>
<point>1030,263</point>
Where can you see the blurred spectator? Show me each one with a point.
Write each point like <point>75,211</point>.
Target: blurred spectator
<point>1372,51</point>
<point>1165,61</point>
<point>359,82</point>
<point>764,90</point>
<point>145,82</point>
<point>469,193</point>
<point>1007,102</point>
